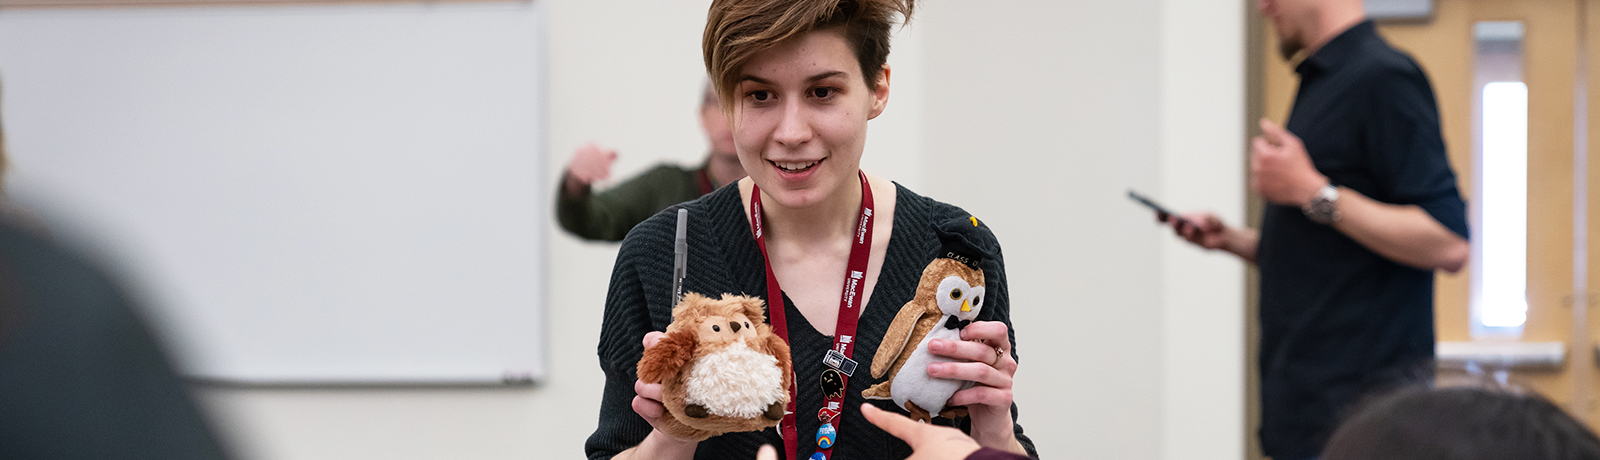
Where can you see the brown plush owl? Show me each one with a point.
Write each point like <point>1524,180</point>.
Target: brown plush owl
<point>949,296</point>
<point>720,367</point>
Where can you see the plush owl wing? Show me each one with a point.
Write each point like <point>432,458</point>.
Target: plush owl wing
<point>665,358</point>
<point>898,337</point>
<point>775,346</point>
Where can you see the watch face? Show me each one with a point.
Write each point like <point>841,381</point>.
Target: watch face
<point>1323,209</point>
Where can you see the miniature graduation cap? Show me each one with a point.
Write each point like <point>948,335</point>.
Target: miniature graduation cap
<point>958,241</point>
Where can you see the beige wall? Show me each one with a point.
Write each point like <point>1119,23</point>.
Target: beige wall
<point>1202,167</point>
<point>1035,116</point>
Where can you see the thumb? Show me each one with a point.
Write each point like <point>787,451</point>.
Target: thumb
<point>894,424</point>
<point>1272,131</point>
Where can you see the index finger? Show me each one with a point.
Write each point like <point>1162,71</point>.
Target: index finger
<point>1179,219</point>
<point>995,333</point>
<point>895,424</point>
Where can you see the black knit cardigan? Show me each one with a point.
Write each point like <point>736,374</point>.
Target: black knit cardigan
<point>723,258</point>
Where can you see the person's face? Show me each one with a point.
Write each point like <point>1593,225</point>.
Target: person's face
<point>718,132</point>
<point>801,120</point>
<point>1289,19</point>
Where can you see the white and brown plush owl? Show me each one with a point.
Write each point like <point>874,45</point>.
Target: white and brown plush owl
<point>949,296</point>
<point>720,367</point>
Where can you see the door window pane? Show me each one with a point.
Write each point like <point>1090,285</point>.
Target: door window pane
<point>1500,254</point>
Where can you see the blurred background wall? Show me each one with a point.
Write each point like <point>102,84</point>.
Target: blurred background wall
<point>1036,116</point>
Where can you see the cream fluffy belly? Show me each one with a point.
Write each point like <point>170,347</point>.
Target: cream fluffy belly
<point>735,382</point>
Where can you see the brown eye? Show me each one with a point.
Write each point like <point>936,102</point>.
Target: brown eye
<point>760,95</point>
<point>955,294</point>
<point>822,92</point>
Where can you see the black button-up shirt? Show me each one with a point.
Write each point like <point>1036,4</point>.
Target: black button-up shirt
<point>1338,320</point>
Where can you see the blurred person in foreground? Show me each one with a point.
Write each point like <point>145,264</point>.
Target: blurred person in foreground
<point>81,375</point>
<point>1462,423</point>
<point>608,215</point>
<point>1362,208</point>
<point>8,211</point>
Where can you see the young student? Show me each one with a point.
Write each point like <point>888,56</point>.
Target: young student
<point>801,79</point>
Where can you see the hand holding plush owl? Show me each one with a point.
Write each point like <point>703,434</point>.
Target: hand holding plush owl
<point>949,297</point>
<point>720,367</point>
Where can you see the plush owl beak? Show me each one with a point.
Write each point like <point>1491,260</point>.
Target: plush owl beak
<point>966,306</point>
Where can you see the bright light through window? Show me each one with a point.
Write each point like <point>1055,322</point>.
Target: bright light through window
<point>1505,205</point>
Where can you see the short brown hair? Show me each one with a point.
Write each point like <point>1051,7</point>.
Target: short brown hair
<point>738,29</point>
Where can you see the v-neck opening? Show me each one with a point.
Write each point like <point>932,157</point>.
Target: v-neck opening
<point>896,233</point>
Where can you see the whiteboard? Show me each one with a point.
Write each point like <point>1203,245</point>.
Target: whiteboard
<point>306,194</point>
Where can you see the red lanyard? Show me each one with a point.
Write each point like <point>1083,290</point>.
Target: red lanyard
<point>838,357</point>
<point>703,179</point>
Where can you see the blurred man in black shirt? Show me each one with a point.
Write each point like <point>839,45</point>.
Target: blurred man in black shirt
<point>1362,208</point>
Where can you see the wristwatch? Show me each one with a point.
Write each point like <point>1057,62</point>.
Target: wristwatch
<point>1323,208</point>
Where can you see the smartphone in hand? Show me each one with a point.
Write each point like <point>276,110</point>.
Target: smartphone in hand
<point>1161,212</point>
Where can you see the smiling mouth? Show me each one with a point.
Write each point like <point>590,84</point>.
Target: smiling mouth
<point>794,166</point>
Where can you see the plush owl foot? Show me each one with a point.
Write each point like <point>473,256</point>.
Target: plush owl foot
<point>954,412</point>
<point>696,411</point>
<point>879,391</point>
<point>675,428</point>
<point>918,413</point>
<point>774,412</point>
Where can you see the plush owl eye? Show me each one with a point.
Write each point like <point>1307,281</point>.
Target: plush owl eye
<point>955,294</point>
<point>977,300</point>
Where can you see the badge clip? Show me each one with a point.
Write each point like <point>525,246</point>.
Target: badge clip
<point>836,360</point>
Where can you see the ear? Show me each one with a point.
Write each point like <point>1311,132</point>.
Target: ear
<point>880,95</point>
<point>690,299</point>
<point>754,308</point>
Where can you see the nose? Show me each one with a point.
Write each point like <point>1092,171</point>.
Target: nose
<point>735,325</point>
<point>795,127</point>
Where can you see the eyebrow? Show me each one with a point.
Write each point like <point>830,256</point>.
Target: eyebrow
<point>817,77</point>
